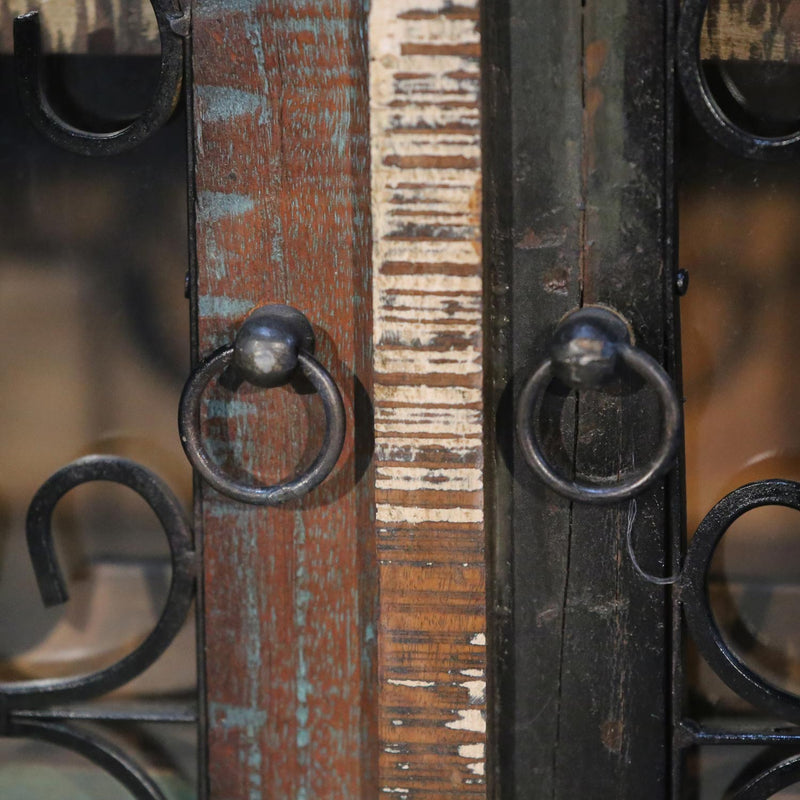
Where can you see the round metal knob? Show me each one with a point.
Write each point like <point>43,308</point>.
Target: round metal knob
<point>587,348</point>
<point>272,343</point>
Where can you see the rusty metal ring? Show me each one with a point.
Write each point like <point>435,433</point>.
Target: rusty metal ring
<point>302,484</point>
<point>587,345</point>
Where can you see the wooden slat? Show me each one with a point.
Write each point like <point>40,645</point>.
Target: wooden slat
<point>282,183</point>
<point>87,26</point>
<point>426,199</point>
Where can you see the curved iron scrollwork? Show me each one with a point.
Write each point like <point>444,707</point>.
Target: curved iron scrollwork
<point>105,755</point>
<point>172,26</point>
<point>27,696</point>
<point>768,783</point>
<point>729,667</point>
<point>708,111</point>
<point>697,608</point>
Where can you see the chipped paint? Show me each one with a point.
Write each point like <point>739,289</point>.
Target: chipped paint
<point>473,752</point>
<point>212,206</point>
<point>469,720</point>
<point>477,691</point>
<point>282,144</point>
<point>412,684</point>
<point>428,362</point>
<point>224,103</point>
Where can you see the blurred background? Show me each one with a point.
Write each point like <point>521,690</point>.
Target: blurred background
<point>740,325</point>
<point>95,348</point>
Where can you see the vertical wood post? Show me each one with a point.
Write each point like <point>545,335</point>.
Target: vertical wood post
<point>282,216</point>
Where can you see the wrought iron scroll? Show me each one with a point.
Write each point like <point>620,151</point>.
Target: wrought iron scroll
<point>697,608</point>
<point>758,781</point>
<point>26,707</point>
<point>704,104</point>
<point>728,666</point>
<point>172,26</point>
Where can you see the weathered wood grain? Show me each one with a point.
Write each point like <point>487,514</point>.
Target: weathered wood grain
<point>282,188</point>
<point>428,307</point>
<point>86,26</point>
<point>578,199</point>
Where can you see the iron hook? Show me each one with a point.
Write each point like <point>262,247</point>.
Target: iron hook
<point>183,558</point>
<point>33,97</point>
<point>708,111</point>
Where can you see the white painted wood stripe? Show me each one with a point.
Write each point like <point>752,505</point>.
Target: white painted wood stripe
<point>428,310</point>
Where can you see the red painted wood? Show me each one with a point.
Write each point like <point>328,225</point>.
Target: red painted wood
<point>282,180</point>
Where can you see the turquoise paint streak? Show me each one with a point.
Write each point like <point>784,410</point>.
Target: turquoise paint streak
<point>230,408</point>
<point>208,8</point>
<point>222,103</point>
<point>228,307</point>
<point>249,579</point>
<point>247,720</point>
<point>212,206</point>
<point>231,717</point>
<point>303,688</point>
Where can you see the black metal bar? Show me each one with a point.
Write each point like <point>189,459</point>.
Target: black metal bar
<point>135,712</point>
<point>690,733</point>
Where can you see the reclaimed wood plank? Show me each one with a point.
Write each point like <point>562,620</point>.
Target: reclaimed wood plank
<point>282,209</point>
<point>613,691</point>
<point>428,307</point>
<point>579,209</point>
<point>536,197</point>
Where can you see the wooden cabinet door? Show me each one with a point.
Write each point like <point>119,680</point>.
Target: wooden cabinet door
<point>337,169</point>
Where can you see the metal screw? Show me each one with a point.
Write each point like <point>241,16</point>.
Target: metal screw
<point>682,282</point>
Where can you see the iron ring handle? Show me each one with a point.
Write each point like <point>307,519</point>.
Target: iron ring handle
<point>286,343</point>
<point>586,349</point>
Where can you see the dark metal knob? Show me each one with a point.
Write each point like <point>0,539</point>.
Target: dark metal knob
<point>267,346</point>
<point>587,348</point>
<point>272,343</point>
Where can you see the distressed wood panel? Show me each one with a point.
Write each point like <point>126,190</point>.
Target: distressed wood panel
<point>86,26</point>
<point>579,199</point>
<point>282,208</point>
<point>428,307</point>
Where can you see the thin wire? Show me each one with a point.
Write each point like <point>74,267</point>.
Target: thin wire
<point>629,539</point>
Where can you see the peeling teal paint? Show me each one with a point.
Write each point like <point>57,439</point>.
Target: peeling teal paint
<point>253,639</point>
<point>222,103</point>
<point>303,688</point>
<point>226,409</point>
<point>229,307</point>
<point>216,256</point>
<point>212,206</point>
<point>208,8</point>
<point>237,717</point>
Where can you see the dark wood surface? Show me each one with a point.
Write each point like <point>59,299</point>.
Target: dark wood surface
<point>582,705</point>
<point>282,215</point>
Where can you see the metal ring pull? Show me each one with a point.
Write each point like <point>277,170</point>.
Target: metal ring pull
<point>587,346</point>
<point>272,342</point>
